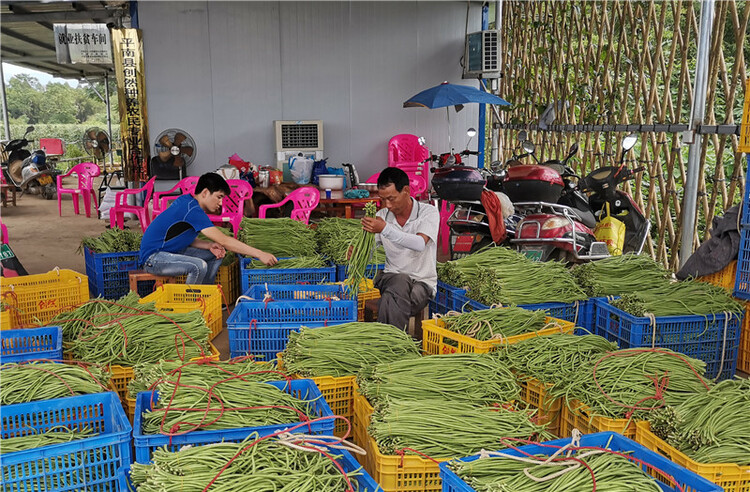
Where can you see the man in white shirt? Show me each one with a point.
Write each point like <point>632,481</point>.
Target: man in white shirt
<point>408,231</point>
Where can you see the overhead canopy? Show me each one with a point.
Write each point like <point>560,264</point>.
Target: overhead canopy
<point>27,37</point>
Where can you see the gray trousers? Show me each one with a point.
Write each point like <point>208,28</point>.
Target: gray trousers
<point>400,297</point>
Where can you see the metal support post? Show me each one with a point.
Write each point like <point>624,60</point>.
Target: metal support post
<point>109,119</point>
<point>495,153</point>
<point>698,111</point>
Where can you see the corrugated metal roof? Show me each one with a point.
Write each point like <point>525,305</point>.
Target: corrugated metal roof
<point>27,37</point>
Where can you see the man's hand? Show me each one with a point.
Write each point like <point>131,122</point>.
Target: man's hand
<point>218,250</point>
<point>267,258</point>
<point>373,224</point>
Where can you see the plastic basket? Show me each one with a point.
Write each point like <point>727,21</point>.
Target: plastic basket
<point>447,298</point>
<point>744,140</point>
<point>27,344</point>
<point>574,311</point>
<point>367,292</point>
<point>370,272</point>
<point>36,299</point>
<point>743,356</point>
<point>226,278</point>
<point>262,330</point>
<point>723,278</point>
<point>653,463</point>
<point>108,272</point>
<point>6,320</point>
<point>304,389</point>
<point>576,415</point>
<point>549,410</point>
<point>288,292</point>
<point>742,279</point>
<point>732,477</point>
<point>93,463</point>
<point>438,340</point>
<point>251,276</point>
<point>712,339</point>
<point>180,298</point>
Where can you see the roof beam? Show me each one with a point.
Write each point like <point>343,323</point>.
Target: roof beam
<point>71,16</point>
<point>26,39</point>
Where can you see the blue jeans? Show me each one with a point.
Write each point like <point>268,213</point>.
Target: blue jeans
<point>200,265</point>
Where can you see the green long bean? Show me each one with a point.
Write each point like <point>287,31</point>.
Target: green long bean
<point>617,275</point>
<point>280,237</point>
<point>112,241</point>
<point>678,299</point>
<point>334,234</point>
<point>315,261</point>
<point>22,383</point>
<point>55,435</point>
<point>498,323</point>
<point>361,247</point>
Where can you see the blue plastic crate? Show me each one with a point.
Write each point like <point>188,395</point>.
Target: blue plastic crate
<point>746,198</point>
<point>371,271</point>
<point>108,272</point>
<point>289,292</point>
<point>253,276</point>
<point>93,463</point>
<point>608,440</point>
<point>576,312</point>
<point>700,337</point>
<point>26,344</point>
<point>448,298</point>
<point>742,278</point>
<point>303,389</point>
<point>260,329</point>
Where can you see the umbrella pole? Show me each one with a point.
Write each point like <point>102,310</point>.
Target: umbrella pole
<point>448,112</point>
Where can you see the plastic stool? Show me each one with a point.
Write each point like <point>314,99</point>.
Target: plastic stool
<point>415,322</point>
<point>136,276</point>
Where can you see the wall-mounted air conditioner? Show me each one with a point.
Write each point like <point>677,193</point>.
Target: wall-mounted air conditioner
<point>297,137</point>
<point>482,55</point>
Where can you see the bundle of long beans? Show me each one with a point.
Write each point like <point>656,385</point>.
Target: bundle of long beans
<point>448,428</point>
<point>554,357</point>
<point>280,237</point>
<point>496,323</point>
<point>334,235</point>
<point>679,299</point>
<point>98,311</point>
<point>361,254</point>
<point>54,435</point>
<point>233,403</point>
<point>497,275</point>
<point>112,241</point>
<point>343,350</point>
<point>22,383</point>
<point>313,261</point>
<point>633,382</point>
<point>144,337</point>
<point>261,465</point>
<point>619,275</point>
<point>710,427</point>
<point>504,473</point>
<point>478,378</point>
<point>210,372</point>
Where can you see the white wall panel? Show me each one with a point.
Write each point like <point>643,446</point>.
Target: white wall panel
<point>224,71</point>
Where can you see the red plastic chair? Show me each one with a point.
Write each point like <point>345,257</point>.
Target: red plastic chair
<point>233,206</point>
<point>86,172</point>
<point>162,198</point>
<point>121,207</point>
<point>305,200</point>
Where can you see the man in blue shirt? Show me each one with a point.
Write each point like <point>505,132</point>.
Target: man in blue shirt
<point>170,246</point>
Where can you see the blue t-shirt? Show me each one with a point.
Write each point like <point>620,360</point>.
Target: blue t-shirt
<point>174,229</point>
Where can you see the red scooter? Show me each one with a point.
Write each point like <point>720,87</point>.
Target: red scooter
<point>562,228</point>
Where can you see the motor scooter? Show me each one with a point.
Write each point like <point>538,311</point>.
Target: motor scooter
<point>562,229</point>
<point>29,172</point>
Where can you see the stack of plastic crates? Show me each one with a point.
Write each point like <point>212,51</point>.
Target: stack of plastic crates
<point>92,463</point>
<point>255,276</point>
<point>649,462</point>
<point>303,389</point>
<point>742,279</point>
<point>180,298</point>
<point>261,326</point>
<point>108,272</point>
<point>26,344</point>
<point>35,299</point>
<point>714,339</point>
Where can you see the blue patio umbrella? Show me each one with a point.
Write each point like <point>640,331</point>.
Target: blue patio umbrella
<point>445,95</point>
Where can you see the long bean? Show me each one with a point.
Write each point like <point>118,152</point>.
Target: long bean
<point>679,298</point>
<point>112,241</point>
<point>361,247</point>
<point>55,435</point>
<point>619,275</point>
<point>334,234</point>
<point>498,323</point>
<point>22,383</point>
<point>280,237</point>
<point>315,261</point>
<point>342,350</point>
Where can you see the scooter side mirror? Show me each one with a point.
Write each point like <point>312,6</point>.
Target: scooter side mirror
<point>629,141</point>
<point>573,150</point>
<point>522,136</point>
<point>528,146</point>
<point>29,129</point>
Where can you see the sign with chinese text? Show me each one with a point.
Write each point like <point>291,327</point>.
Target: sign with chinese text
<point>83,43</point>
<point>131,95</point>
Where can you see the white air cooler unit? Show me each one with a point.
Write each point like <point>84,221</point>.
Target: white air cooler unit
<point>297,137</point>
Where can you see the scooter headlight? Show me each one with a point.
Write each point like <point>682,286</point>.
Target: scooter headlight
<point>555,223</point>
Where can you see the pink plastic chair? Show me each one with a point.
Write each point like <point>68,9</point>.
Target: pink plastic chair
<point>406,153</point>
<point>162,198</point>
<point>305,200</point>
<point>417,184</point>
<point>233,206</point>
<point>444,233</point>
<point>86,172</point>
<point>4,232</point>
<point>121,207</point>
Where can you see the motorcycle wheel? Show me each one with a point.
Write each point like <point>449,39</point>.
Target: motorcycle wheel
<point>48,192</point>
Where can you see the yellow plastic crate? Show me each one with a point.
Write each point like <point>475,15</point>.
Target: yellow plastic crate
<point>732,477</point>
<point>367,292</point>
<point>743,357</point>
<point>744,143</point>
<point>228,278</point>
<point>580,417</point>
<point>121,376</point>
<point>6,320</point>
<point>36,299</point>
<point>534,392</point>
<point>723,278</point>
<point>179,298</point>
<point>435,338</point>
